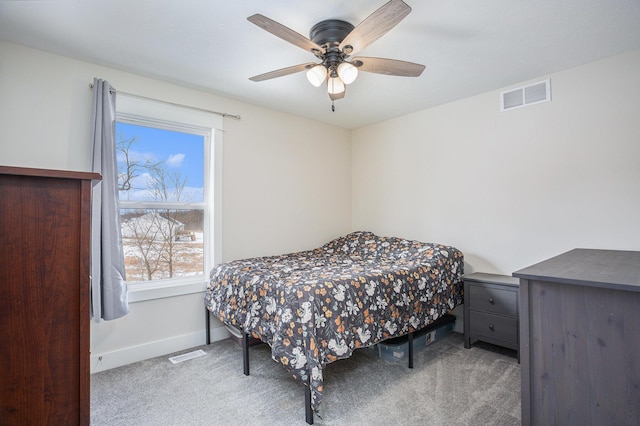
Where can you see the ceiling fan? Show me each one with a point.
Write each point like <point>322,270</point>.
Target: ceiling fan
<point>334,41</point>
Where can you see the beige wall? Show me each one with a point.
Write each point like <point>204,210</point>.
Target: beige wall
<point>508,189</point>
<point>286,180</point>
<point>516,187</point>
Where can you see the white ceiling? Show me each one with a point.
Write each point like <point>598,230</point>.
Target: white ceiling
<point>468,46</point>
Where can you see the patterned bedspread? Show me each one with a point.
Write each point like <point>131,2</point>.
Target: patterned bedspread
<point>318,306</point>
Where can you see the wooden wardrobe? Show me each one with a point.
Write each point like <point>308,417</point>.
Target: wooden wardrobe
<point>44,296</point>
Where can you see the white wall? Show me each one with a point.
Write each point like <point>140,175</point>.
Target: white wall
<point>513,188</point>
<point>286,180</point>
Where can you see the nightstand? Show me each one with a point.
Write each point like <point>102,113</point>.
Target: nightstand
<point>491,310</point>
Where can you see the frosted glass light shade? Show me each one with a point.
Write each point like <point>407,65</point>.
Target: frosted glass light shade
<point>317,75</point>
<point>335,85</point>
<point>347,72</point>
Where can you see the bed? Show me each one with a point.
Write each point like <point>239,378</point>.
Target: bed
<point>317,306</point>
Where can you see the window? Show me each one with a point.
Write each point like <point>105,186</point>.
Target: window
<point>167,197</point>
<point>161,189</point>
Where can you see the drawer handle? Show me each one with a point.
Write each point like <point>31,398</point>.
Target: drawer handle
<point>491,300</point>
<point>491,327</point>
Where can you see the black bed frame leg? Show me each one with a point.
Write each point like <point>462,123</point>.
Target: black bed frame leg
<point>208,325</point>
<point>410,350</point>
<point>245,353</point>
<point>308,411</point>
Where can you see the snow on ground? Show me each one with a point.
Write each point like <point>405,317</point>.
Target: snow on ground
<point>188,260</point>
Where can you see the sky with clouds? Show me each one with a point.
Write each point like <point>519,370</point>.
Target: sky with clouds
<point>178,152</point>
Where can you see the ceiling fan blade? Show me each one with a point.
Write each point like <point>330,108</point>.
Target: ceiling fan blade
<point>282,72</point>
<point>375,25</point>
<point>285,33</point>
<point>389,66</point>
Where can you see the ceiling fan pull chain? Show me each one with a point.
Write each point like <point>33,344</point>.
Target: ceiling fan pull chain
<point>333,107</point>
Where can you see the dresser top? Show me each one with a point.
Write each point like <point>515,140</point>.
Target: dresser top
<point>492,278</point>
<point>62,174</point>
<point>614,269</point>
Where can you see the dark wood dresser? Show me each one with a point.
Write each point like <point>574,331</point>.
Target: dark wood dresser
<point>580,339</point>
<point>44,296</point>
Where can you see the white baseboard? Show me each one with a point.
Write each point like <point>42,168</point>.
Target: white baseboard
<point>124,356</point>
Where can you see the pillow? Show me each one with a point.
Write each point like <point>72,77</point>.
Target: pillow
<point>350,244</point>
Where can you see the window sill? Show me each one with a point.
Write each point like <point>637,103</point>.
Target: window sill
<point>140,292</point>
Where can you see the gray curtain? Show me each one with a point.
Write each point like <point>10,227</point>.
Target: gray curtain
<point>108,285</point>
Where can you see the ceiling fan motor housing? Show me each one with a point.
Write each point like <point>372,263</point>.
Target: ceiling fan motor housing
<point>329,34</point>
<point>331,31</point>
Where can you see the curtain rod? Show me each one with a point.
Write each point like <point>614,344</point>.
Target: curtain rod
<point>224,114</point>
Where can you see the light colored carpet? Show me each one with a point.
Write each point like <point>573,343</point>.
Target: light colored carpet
<point>449,385</point>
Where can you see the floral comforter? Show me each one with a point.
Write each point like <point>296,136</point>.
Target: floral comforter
<point>318,306</point>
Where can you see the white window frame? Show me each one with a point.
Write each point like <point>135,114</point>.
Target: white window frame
<point>147,113</point>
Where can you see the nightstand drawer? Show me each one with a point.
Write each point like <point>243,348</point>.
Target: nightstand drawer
<point>493,300</point>
<point>494,327</point>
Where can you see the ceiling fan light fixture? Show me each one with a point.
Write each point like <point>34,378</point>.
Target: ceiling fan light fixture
<point>317,75</point>
<point>335,86</point>
<point>347,72</point>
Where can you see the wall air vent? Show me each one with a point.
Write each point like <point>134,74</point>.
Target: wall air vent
<point>526,95</point>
